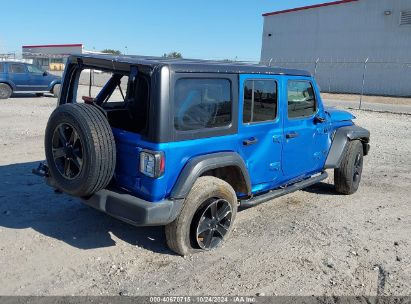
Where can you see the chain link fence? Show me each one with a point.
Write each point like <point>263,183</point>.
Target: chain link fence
<point>360,79</point>
<point>355,83</point>
<point>373,85</point>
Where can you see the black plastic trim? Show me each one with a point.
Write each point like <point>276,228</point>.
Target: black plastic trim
<point>186,65</point>
<point>341,138</point>
<point>200,164</point>
<point>282,191</point>
<point>134,210</point>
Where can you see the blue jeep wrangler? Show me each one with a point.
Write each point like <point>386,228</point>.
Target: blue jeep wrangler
<point>20,77</point>
<point>188,142</point>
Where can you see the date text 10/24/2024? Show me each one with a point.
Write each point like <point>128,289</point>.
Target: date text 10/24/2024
<point>203,299</point>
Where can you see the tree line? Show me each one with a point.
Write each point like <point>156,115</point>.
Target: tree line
<point>171,55</point>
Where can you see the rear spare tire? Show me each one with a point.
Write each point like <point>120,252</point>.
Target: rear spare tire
<point>80,149</point>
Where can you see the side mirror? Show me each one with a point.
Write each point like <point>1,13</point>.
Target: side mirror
<point>319,119</point>
<point>45,73</point>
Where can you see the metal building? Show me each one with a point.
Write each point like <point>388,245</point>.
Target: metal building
<point>51,56</point>
<point>350,45</point>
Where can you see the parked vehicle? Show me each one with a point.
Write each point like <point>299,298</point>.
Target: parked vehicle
<point>192,141</point>
<point>19,77</point>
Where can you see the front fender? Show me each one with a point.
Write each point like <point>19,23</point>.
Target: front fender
<point>53,83</point>
<point>200,164</point>
<point>340,142</point>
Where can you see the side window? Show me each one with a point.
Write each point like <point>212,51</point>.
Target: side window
<point>16,68</point>
<point>201,103</point>
<point>260,101</point>
<point>34,69</point>
<point>301,99</point>
<point>1,67</point>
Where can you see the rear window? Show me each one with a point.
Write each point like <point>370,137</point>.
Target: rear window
<point>16,68</point>
<point>202,103</point>
<point>260,101</point>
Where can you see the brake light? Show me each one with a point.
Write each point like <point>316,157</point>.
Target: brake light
<point>162,164</point>
<point>152,163</point>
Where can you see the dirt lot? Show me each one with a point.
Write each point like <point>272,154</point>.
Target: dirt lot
<point>312,242</point>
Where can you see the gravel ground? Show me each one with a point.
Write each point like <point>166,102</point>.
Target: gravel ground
<point>382,106</point>
<point>312,242</point>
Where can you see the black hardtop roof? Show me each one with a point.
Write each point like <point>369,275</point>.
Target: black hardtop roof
<point>191,65</point>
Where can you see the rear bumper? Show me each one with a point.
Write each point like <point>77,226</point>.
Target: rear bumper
<point>124,206</point>
<point>134,210</point>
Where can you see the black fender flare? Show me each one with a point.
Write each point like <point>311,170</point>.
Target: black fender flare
<point>200,164</point>
<point>340,142</point>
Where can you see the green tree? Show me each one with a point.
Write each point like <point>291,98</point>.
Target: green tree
<point>111,51</point>
<point>173,55</point>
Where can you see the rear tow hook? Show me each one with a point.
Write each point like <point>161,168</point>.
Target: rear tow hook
<point>42,170</point>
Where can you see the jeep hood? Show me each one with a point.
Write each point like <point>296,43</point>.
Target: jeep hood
<point>338,115</point>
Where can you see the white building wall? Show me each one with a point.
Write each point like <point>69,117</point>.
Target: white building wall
<point>349,32</point>
<point>50,50</point>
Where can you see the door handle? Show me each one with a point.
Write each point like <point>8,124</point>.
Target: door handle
<point>291,135</point>
<point>319,119</point>
<point>249,142</point>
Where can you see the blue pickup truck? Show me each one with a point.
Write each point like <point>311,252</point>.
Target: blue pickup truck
<point>19,77</point>
<point>189,142</point>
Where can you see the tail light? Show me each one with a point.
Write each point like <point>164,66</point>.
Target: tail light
<point>152,163</point>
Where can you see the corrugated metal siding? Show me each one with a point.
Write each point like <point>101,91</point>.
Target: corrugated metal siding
<point>405,17</point>
<point>349,32</point>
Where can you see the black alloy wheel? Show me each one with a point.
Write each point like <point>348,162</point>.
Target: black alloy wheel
<point>67,151</point>
<point>80,149</point>
<point>213,223</point>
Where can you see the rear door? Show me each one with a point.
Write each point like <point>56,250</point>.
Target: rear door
<point>260,129</point>
<point>18,74</point>
<point>305,141</point>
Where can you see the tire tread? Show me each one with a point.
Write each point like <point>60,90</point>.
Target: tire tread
<point>343,180</point>
<point>177,230</point>
<point>102,156</point>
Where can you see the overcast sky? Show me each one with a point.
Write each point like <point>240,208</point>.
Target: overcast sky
<point>212,29</point>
